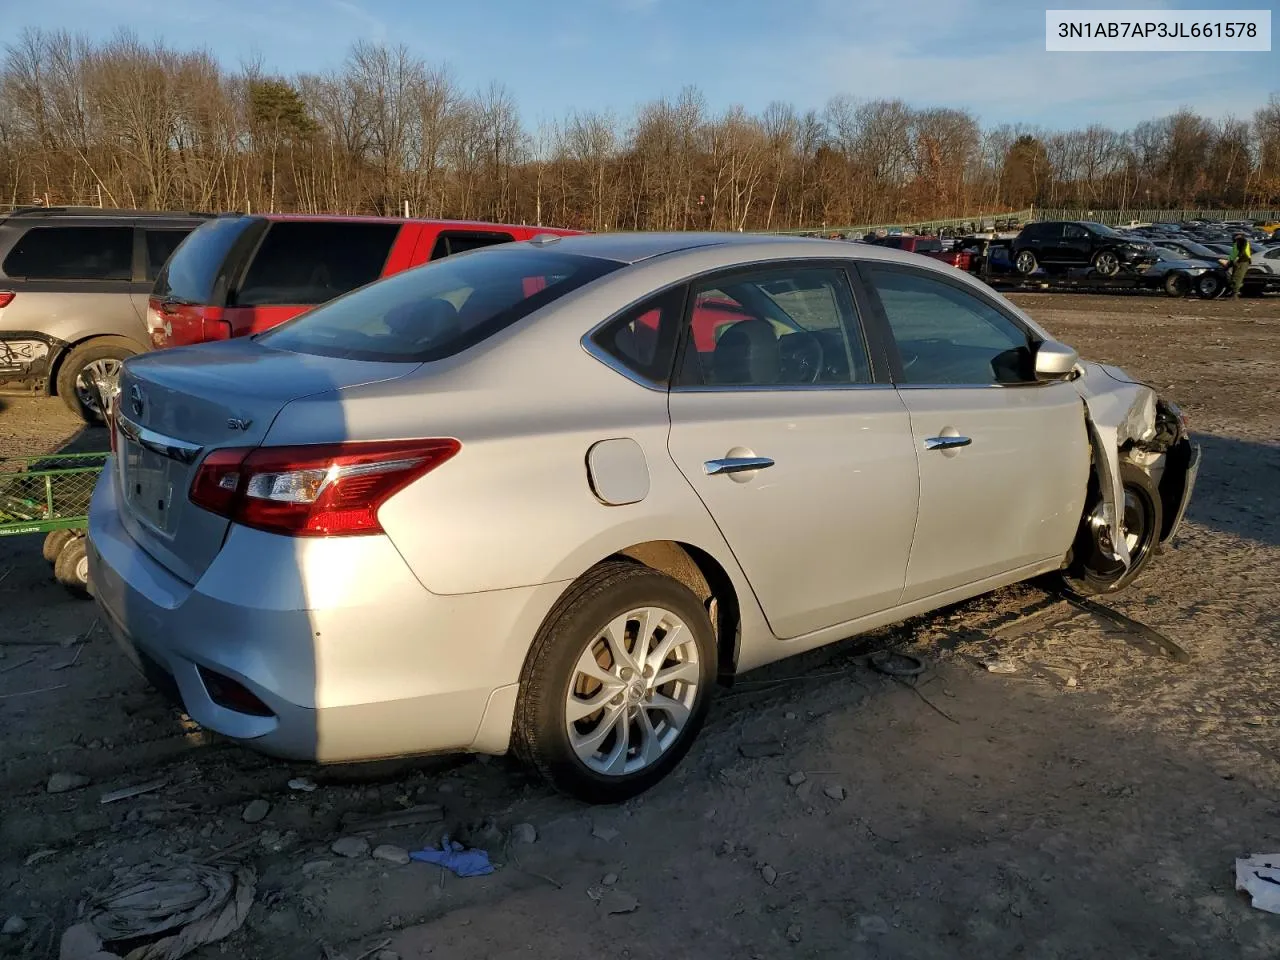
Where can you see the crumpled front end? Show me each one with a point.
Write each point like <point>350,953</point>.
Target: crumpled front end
<point>1129,421</point>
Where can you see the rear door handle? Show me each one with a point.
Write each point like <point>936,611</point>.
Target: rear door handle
<point>736,465</point>
<point>946,443</point>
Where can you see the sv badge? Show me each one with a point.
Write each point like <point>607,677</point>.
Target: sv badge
<point>235,423</point>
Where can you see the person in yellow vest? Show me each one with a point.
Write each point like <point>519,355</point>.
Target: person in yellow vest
<point>1240,259</point>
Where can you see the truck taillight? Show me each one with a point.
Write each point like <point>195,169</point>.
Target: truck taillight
<point>316,490</point>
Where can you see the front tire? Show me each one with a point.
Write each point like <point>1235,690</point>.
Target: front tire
<point>1176,285</point>
<point>1209,286</point>
<point>1106,263</point>
<point>617,683</point>
<point>88,371</point>
<point>71,569</point>
<point>1025,263</point>
<point>1092,569</point>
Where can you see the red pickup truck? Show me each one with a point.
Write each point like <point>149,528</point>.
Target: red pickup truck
<point>927,246</point>
<point>240,274</point>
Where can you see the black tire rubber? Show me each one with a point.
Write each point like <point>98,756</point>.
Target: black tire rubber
<point>66,569</point>
<point>1177,285</point>
<point>1209,285</point>
<point>99,348</point>
<point>1106,272</point>
<point>1078,576</point>
<point>54,543</point>
<point>1020,261</point>
<point>539,736</point>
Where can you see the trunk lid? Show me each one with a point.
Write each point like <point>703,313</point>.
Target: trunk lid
<point>176,406</point>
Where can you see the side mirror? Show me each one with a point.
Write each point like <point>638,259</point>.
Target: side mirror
<point>1055,361</point>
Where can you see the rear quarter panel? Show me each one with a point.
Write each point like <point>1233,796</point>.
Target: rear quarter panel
<point>74,316</point>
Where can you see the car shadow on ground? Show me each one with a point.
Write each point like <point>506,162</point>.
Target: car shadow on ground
<point>1237,488</point>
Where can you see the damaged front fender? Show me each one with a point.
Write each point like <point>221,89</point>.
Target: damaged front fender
<point>1128,420</point>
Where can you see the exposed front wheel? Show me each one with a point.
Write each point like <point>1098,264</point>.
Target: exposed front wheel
<point>1106,263</point>
<point>1093,567</point>
<point>1209,286</point>
<point>1176,285</point>
<point>617,683</point>
<point>1025,263</point>
<point>89,374</point>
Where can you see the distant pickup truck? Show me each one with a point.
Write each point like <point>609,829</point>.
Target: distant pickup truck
<point>928,246</point>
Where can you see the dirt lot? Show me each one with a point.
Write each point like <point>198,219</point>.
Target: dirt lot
<point>1089,804</point>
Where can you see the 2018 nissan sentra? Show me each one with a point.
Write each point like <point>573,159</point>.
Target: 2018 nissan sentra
<point>543,496</point>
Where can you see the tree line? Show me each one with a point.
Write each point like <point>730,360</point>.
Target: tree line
<point>145,125</point>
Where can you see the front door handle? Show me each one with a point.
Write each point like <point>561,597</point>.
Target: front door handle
<point>946,443</point>
<point>736,465</point>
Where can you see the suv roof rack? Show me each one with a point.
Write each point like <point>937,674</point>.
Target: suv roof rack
<point>89,211</point>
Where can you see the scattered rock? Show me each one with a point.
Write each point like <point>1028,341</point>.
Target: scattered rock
<point>793,933</point>
<point>873,925</point>
<point>65,782</point>
<point>256,811</point>
<point>804,792</point>
<point>39,855</point>
<point>619,901</point>
<point>760,749</point>
<point>95,744</point>
<point>13,926</point>
<point>610,879</point>
<point>789,715</point>
<point>797,778</point>
<point>769,874</point>
<point>350,847</point>
<point>1000,665</point>
<point>1072,682</point>
<point>313,867</point>
<point>305,784</point>
<point>607,834</point>
<point>727,848</point>
<point>390,853</point>
<point>834,791</point>
<point>524,833</point>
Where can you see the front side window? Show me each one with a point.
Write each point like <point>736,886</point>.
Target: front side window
<point>946,335</point>
<point>308,262</point>
<point>1076,232</point>
<point>72,253</point>
<point>785,327</point>
<point>437,310</point>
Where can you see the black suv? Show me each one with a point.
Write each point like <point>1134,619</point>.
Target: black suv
<point>74,283</point>
<point>1059,245</point>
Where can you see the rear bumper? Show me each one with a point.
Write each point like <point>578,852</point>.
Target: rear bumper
<point>353,657</point>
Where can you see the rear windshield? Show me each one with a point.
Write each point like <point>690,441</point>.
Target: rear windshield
<point>309,261</point>
<point>191,275</point>
<point>440,309</point>
<point>931,245</point>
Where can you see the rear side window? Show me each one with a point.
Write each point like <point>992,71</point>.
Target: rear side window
<point>72,253</point>
<point>460,242</point>
<point>160,247</point>
<point>199,270</point>
<point>312,262</point>
<point>643,340</point>
<point>439,309</point>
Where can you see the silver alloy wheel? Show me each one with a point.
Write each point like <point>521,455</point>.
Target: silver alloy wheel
<point>632,691</point>
<point>1026,262</point>
<point>1107,263</point>
<point>1131,525</point>
<point>98,379</point>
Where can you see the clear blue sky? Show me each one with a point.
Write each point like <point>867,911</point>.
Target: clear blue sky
<point>558,55</point>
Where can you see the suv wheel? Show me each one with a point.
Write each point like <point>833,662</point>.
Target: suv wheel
<point>1106,263</point>
<point>89,371</point>
<point>1209,286</point>
<point>1177,284</point>
<point>1025,263</point>
<point>617,683</point>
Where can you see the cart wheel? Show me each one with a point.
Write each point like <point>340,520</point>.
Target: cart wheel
<point>54,543</point>
<point>72,567</point>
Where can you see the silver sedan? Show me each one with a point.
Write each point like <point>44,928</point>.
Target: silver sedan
<point>543,496</point>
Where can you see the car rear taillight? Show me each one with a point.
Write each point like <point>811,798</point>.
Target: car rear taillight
<point>214,328</point>
<point>317,490</point>
<point>6,297</point>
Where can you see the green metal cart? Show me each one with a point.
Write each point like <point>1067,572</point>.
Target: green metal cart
<point>50,494</point>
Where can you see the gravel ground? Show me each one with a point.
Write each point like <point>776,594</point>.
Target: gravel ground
<point>1088,805</point>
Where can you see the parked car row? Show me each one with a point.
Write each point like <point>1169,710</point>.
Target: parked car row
<point>83,289</point>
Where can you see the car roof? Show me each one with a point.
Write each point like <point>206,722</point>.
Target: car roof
<point>368,218</point>
<point>634,247</point>
<point>100,213</point>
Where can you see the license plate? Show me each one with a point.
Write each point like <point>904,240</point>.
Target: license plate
<point>148,485</point>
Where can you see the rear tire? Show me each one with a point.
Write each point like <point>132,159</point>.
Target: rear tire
<point>590,756</point>
<point>1092,570</point>
<point>71,569</point>
<point>54,543</point>
<point>92,362</point>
